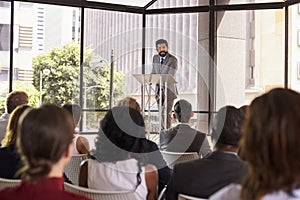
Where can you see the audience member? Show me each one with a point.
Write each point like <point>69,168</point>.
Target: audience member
<point>203,177</point>
<point>131,102</point>
<point>270,145</point>
<point>151,149</point>
<point>183,138</point>
<point>80,144</point>
<point>9,157</point>
<point>13,100</point>
<point>45,143</point>
<point>114,165</point>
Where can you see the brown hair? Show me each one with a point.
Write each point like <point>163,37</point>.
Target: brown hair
<point>131,102</point>
<point>12,126</point>
<point>14,99</point>
<point>270,143</point>
<point>44,135</point>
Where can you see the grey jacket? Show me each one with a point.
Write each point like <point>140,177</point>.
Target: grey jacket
<point>183,138</point>
<point>169,66</point>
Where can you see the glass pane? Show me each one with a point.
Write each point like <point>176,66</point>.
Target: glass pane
<point>111,36</point>
<point>139,3</point>
<point>225,2</point>
<point>294,47</point>
<point>181,3</point>
<point>4,51</point>
<point>250,55</point>
<point>187,36</point>
<point>91,120</point>
<point>46,55</point>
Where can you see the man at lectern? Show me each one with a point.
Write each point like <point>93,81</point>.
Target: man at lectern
<point>165,63</point>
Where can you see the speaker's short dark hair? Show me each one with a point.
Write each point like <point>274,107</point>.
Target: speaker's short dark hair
<point>161,41</point>
<point>183,110</point>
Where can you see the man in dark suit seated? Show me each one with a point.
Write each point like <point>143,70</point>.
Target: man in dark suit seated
<point>203,177</point>
<point>183,138</point>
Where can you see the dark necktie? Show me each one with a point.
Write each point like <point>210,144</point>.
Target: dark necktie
<point>161,61</point>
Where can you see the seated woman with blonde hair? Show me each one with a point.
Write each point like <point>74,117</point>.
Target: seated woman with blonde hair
<point>270,144</point>
<point>131,102</point>
<point>9,157</point>
<point>45,144</point>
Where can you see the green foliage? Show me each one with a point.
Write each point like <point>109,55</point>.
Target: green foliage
<point>97,86</point>
<point>33,94</point>
<point>2,105</point>
<point>62,84</point>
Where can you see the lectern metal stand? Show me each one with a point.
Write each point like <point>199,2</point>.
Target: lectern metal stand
<point>152,79</point>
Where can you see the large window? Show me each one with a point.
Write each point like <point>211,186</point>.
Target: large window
<point>225,2</point>
<point>177,4</point>
<point>250,54</point>
<point>4,51</point>
<point>46,52</point>
<point>112,39</point>
<point>246,47</point>
<point>187,36</point>
<point>294,47</point>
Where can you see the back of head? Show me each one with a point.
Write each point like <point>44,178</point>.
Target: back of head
<point>227,127</point>
<point>119,134</point>
<point>161,41</point>
<point>131,102</point>
<point>183,111</point>
<point>15,99</point>
<point>12,126</point>
<point>44,135</point>
<point>75,110</point>
<point>270,143</point>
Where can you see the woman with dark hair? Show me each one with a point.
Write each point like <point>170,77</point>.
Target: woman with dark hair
<point>150,149</point>
<point>9,158</point>
<point>270,144</point>
<point>117,163</point>
<point>45,144</point>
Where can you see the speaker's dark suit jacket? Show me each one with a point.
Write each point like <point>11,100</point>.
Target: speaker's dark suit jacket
<point>203,177</point>
<point>183,138</point>
<point>169,66</point>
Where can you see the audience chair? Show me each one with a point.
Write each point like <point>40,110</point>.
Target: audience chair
<point>173,158</point>
<point>162,195</point>
<point>72,169</point>
<point>96,194</point>
<point>186,197</point>
<point>8,183</point>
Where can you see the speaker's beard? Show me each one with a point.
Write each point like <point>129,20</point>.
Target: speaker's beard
<point>163,53</point>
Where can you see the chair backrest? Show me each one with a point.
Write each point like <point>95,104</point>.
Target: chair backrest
<point>173,158</point>
<point>162,195</point>
<point>103,195</point>
<point>8,183</point>
<point>187,197</point>
<point>73,167</point>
